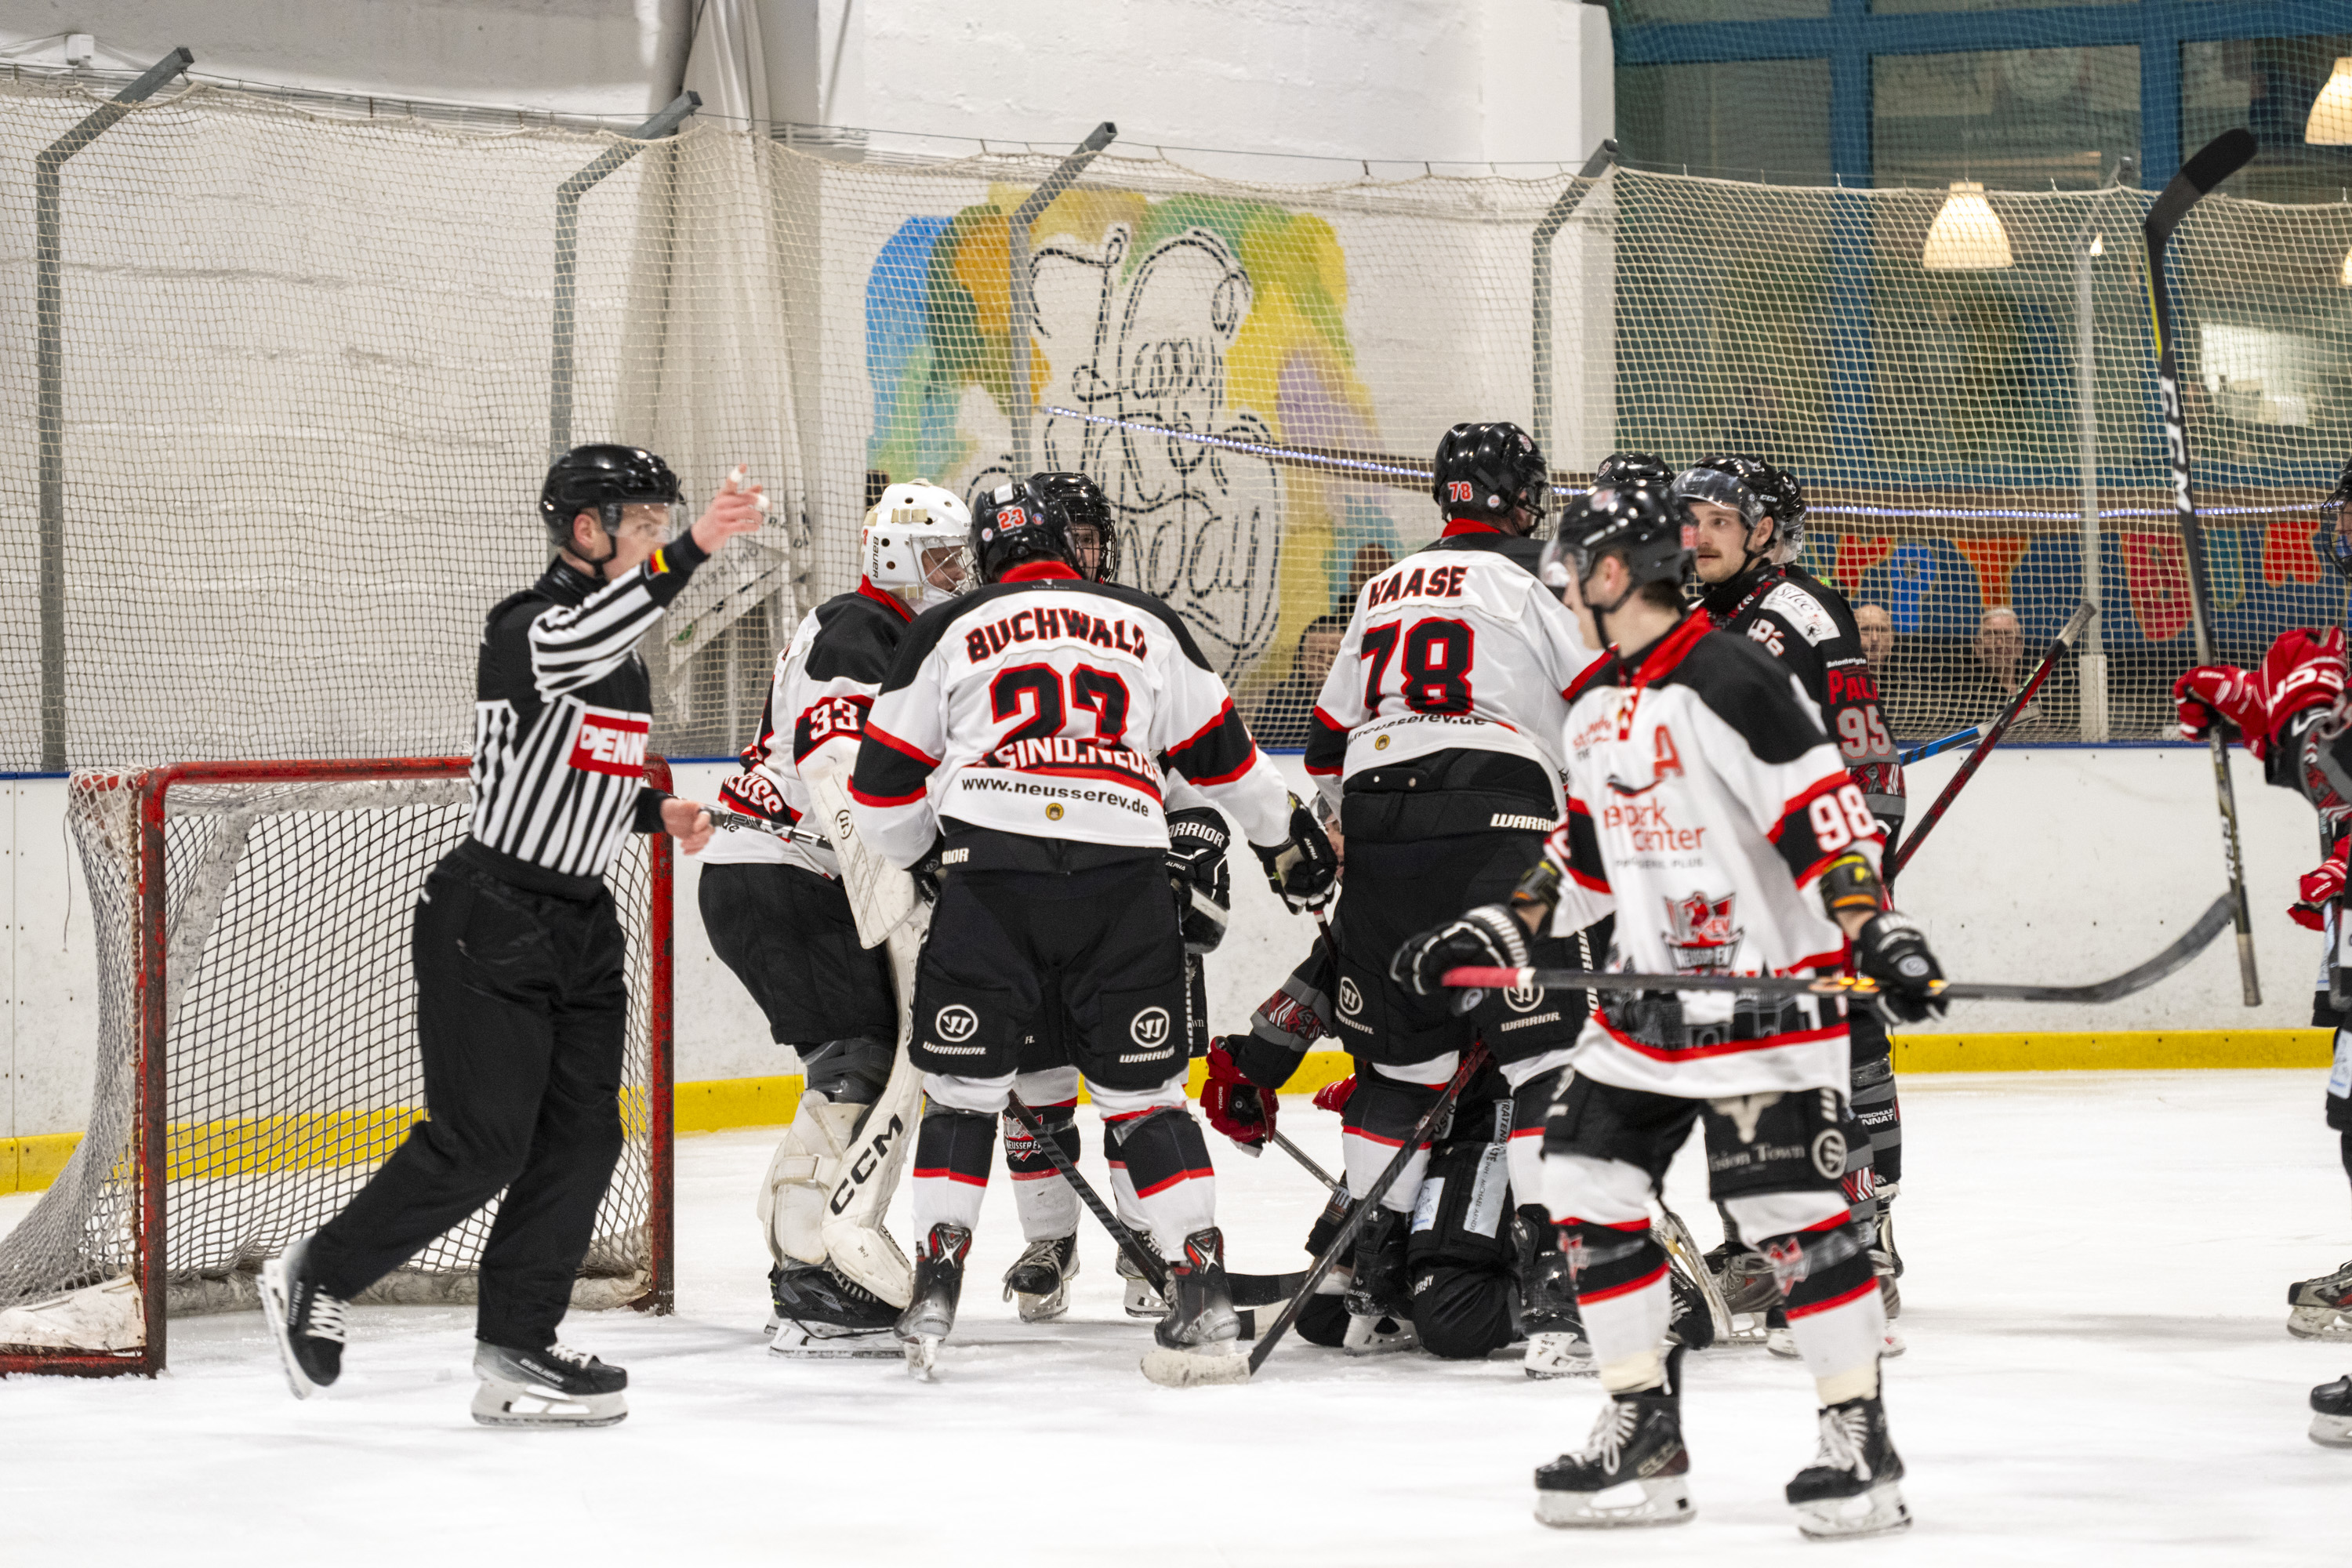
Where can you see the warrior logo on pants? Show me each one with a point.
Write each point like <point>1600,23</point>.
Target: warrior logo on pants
<point>1149,1027</point>
<point>956,1021</point>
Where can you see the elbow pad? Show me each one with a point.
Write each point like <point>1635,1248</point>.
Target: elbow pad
<point>1850,883</point>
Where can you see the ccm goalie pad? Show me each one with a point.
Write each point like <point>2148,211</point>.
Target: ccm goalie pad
<point>831,1178</point>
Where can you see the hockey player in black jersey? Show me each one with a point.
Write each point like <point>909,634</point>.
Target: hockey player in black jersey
<point>779,918</point>
<point>1436,738</point>
<point>521,1004</point>
<point>1750,520</point>
<point>1709,811</point>
<point>1017,746</point>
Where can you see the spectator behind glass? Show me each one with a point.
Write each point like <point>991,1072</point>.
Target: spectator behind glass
<point>1280,719</point>
<point>1897,693</point>
<point>1998,664</point>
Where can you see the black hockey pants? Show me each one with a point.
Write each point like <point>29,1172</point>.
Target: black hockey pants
<point>521,1013</point>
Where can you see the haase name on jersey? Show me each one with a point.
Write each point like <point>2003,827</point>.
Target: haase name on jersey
<point>1048,623</point>
<point>1420,582</point>
<point>1059,753</point>
<point>610,743</point>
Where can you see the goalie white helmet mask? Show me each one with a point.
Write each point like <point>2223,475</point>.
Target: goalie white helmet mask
<point>916,544</point>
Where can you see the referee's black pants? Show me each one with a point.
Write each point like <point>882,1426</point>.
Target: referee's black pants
<point>522,1015</point>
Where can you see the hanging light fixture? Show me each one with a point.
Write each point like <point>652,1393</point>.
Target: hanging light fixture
<point>1967,236</point>
<point>2330,124</point>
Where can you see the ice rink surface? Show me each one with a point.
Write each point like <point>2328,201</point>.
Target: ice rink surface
<point>2097,1373</point>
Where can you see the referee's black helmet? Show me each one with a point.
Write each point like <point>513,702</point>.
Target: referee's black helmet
<point>602,478</point>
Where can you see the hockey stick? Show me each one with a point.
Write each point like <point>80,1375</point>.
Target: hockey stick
<point>1192,1369</point>
<point>1992,734</point>
<point>1249,1290</point>
<point>2215,161</point>
<point>1295,1152</point>
<point>2169,962</point>
<point>1937,748</point>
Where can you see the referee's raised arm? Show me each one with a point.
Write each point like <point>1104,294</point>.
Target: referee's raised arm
<point>521,997</point>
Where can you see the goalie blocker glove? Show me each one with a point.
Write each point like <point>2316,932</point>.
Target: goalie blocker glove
<point>1304,869</point>
<point>1489,936</point>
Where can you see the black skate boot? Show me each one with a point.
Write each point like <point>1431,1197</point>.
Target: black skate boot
<point>1201,1317</point>
<point>2331,1414</point>
<point>1851,1488</point>
<point>1556,1343</point>
<point>818,1313</point>
<point>2321,1309</point>
<point>1638,1439</point>
<point>554,1386</point>
<point>1038,1283</point>
<point>1688,1323</point>
<point>938,1282</point>
<point>307,1322</point>
<point>1379,1300</point>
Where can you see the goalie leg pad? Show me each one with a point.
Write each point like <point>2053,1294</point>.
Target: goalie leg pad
<point>792,1202</point>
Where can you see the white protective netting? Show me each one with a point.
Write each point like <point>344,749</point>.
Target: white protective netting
<point>290,1063</point>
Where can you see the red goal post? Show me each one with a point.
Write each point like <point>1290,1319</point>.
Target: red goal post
<point>256,1059</point>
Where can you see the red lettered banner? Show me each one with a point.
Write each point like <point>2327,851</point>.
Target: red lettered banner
<point>610,743</point>
<point>2156,573</point>
<point>2287,554</point>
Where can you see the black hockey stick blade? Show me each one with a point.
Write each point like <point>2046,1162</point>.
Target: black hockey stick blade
<point>2194,940</point>
<point>1196,1369</point>
<point>2212,163</point>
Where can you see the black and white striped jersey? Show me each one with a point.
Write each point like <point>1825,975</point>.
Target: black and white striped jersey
<point>563,706</point>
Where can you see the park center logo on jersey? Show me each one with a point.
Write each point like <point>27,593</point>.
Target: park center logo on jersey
<point>610,743</point>
<point>1703,939</point>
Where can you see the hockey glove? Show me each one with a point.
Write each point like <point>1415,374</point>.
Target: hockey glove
<point>1203,882</point>
<point>1302,869</point>
<point>2219,693</point>
<point>1334,1096</point>
<point>2320,889</point>
<point>926,871</point>
<point>1892,950</point>
<point>1234,1106</point>
<point>1489,935</point>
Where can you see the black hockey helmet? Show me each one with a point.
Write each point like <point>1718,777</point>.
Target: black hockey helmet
<point>1756,489</point>
<point>1017,522</point>
<point>2334,548</point>
<point>1631,468</point>
<point>1485,470</point>
<point>602,478</point>
<point>1084,503</point>
<point>1645,525</point>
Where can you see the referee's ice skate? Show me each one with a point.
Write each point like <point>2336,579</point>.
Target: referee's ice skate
<point>557,1386</point>
<point>306,1322</point>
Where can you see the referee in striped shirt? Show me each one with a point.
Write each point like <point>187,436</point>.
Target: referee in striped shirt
<point>521,1008</point>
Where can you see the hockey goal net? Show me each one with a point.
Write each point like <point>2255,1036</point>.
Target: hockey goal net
<point>256,1052</point>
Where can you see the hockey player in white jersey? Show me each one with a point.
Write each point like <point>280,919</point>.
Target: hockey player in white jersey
<point>1038,1281</point>
<point>1436,737</point>
<point>1709,811</point>
<point>779,918</point>
<point>1015,749</point>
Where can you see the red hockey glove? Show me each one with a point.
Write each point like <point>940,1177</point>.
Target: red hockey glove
<point>2215,693</point>
<point>2302,669</point>
<point>2320,889</point>
<point>1234,1106</point>
<point>1334,1096</point>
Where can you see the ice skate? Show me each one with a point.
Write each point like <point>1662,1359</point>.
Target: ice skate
<point>553,1386</point>
<point>1380,1305</point>
<point>1688,1323</point>
<point>307,1322</point>
<point>1038,1283</point>
<point>2331,1414</point>
<point>1140,1299</point>
<point>1634,1470</point>
<point>1749,1291</point>
<point>1556,1343</point>
<point>2321,1309</point>
<point>815,1313</point>
<point>1885,1262</point>
<point>938,1282</point>
<point>1851,1488</point>
<point>1201,1318</point>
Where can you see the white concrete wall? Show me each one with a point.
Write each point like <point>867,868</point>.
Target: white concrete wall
<point>2057,866</point>
<point>1384,80</point>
